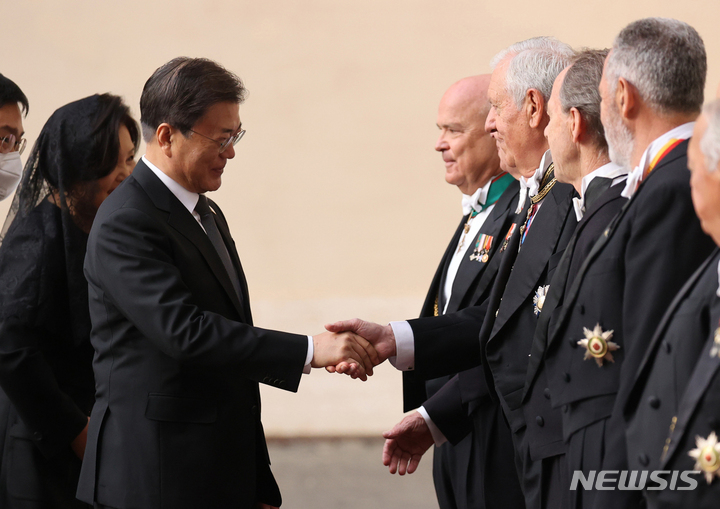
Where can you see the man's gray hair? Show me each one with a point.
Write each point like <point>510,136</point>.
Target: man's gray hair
<point>665,60</point>
<point>710,142</point>
<point>535,63</point>
<point>580,90</point>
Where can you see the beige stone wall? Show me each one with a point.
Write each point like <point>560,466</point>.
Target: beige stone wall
<point>336,198</point>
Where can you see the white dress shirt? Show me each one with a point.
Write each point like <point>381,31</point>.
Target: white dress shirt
<point>469,203</point>
<point>189,200</point>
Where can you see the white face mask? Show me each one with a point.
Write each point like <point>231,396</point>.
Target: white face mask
<point>10,173</point>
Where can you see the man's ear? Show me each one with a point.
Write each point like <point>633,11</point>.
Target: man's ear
<point>626,98</point>
<point>578,125</point>
<point>164,135</point>
<point>534,108</point>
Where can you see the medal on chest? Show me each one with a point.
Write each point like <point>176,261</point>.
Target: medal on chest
<point>707,456</point>
<point>482,249</point>
<point>597,345</point>
<point>507,237</point>
<point>539,299</point>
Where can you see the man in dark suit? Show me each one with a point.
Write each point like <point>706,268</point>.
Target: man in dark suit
<point>464,276</point>
<point>176,421</point>
<point>673,400</point>
<point>580,153</point>
<point>545,221</point>
<point>651,89</point>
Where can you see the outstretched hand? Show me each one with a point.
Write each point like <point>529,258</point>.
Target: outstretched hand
<point>406,443</point>
<point>379,336</point>
<point>344,352</point>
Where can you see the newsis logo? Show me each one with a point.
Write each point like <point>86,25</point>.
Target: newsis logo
<point>635,480</point>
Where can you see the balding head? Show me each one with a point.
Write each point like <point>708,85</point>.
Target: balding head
<point>468,151</point>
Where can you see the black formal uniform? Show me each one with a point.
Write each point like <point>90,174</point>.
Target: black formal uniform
<point>652,406</point>
<point>544,437</point>
<point>697,420</point>
<point>624,286</point>
<point>460,468</point>
<point>507,333</point>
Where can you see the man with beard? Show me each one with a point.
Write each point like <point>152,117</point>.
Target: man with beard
<point>652,90</point>
<point>683,341</point>
<point>520,86</point>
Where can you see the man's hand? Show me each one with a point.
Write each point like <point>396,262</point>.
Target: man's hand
<point>346,353</point>
<point>381,337</point>
<point>406,443</point>
<point>79,442</point>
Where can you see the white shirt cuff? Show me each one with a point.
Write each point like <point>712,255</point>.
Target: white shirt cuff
<point>437,435</point>
<point>309,356</point>
<point>404,360</point>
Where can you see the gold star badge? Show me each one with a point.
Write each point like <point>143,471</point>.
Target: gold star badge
<point>707,456</point>
<point>597,345</point>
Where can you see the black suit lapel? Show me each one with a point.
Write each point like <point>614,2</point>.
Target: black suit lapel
<point>183,221</point>
<point>438,280</point>
<point>702,375</point>
<point>535,253</point>
<point>445,264</point>
<point>470,271</point>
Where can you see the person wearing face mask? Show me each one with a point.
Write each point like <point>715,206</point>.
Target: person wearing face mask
<point>13,105</point>
<point>85,150</point>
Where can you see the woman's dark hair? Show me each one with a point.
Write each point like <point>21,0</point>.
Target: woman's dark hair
<point>78,145</point>
<point>181,91</point>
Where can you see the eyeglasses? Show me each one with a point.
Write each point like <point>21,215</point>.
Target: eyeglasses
<point>232,140</point>
<point>10,143</point>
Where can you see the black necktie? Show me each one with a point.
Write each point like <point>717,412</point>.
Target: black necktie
<point>208,222</point>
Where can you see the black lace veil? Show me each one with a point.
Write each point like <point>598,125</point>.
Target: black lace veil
<point>77,146</point>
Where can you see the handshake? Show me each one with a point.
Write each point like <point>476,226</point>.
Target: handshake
<point>353,347</point>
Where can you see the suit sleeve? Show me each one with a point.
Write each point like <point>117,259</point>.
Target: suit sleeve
<point>448,344</point>
<point>26,376</point>
<point>449,413</point>
<point>130,259</point>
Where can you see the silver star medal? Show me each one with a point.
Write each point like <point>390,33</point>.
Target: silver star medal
<point>539,299</point>
<point>707,456</point>
<point>597,345</point>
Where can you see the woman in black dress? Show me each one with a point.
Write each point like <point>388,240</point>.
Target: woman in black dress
<point>85,150</point>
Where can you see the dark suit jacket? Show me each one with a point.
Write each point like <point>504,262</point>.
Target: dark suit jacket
<point>625,285</point>
<point>471,286</point>
<point>698,415</point>
<point>544,431</point>
<point>666,369</point>
<point>176,421</point>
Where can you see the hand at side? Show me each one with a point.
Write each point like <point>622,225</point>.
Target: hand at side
<point>406,443</point>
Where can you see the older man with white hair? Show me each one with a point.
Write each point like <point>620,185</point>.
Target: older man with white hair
<point>520,87</point>
<point>652,91</point>
<point>680,360</point>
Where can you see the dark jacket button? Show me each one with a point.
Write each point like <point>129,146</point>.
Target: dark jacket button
<point>582,309</point>
<point>565,408</point>
<point>573,343</point>
<point>668,346</point>
<point>643,459</point>
<point>546,393</point>
<point>654,402</point>
<point>566,377</point>
<point>540,421</point>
